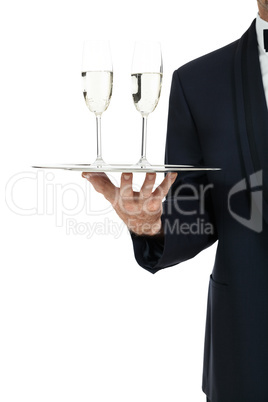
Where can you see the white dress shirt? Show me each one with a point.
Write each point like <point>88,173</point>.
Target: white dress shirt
<point>263,55</point>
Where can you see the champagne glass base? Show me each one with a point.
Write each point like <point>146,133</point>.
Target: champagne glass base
<point>100,163</point>
<point>142,163</point>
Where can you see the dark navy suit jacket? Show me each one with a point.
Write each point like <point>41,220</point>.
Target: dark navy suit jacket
<point>218,117</point>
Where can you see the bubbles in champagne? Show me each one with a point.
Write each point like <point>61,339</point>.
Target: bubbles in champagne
<point>146,89</point>
<point>97,90</point>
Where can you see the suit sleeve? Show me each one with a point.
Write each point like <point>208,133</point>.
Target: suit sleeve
<point>187,216</point>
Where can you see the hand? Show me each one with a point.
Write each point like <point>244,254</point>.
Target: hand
<point>140,211</point>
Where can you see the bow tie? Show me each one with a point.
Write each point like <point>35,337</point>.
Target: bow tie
<point>265,39</point>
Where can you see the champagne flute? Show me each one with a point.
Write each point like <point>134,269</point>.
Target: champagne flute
<point>146,78</point>
<point>97,81</point>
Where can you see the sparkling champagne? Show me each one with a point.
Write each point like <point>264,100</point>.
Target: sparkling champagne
<point>97,90</point>
<point>146,89</point>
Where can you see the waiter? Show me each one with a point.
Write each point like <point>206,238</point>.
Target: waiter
<point>217,117</point>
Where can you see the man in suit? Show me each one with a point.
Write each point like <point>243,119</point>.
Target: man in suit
<point>217,117</point>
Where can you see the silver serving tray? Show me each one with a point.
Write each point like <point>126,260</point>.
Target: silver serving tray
<point>128,168</point>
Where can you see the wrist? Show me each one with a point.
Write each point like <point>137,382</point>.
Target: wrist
<point>149,230</point>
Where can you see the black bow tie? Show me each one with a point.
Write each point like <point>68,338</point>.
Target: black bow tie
<point>265,39</point>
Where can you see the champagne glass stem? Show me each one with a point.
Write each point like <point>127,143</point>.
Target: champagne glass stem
<point>98,124</point>
<point>144,137</point>
<point>99,162</point>
<point>143,161</point>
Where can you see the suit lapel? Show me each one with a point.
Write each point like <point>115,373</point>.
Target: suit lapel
<point>252,114</point>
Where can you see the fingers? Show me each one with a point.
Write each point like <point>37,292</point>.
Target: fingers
<point>125,193</point>
<point>148,185</point>
<point>163,188</point>
<point>126,185</point>
<point>102,184</point>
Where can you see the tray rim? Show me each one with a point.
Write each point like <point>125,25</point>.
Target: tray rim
<point>128,168</point>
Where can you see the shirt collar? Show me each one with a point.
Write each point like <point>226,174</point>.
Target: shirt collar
<point>260,26</point>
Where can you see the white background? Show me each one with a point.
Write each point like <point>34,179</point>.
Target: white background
<point>80,320</point>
